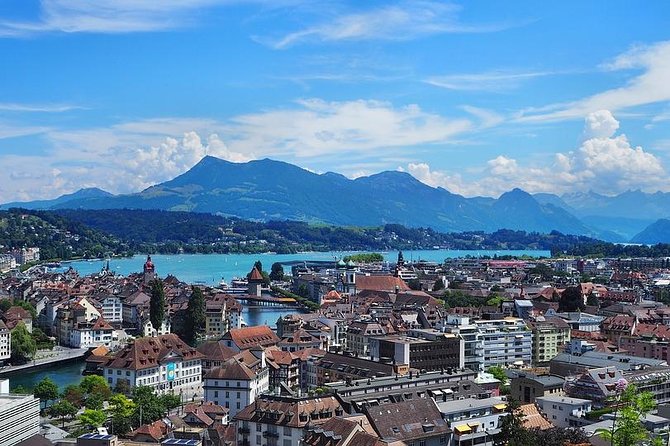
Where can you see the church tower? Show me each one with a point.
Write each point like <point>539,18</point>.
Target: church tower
<point>149,271</point>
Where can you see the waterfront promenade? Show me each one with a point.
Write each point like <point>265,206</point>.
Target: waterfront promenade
<point>46,358</point>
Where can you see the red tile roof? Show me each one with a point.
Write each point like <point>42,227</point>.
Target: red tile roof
<point>381,283</point>
<point>146,353</point>
<point>255,275</point>
<point>248,337</point>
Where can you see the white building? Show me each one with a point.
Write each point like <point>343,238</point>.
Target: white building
<point>238,381</point>
<point>166,363</point>
<point>505,342</point>
<point>7,262</point>
<point>92,334</point>
<point>19,416</point>
<point>474,421</point>
<point>149,331</point>
<point>5,343</point>
<point>112,309</point>
<point>563,411</point>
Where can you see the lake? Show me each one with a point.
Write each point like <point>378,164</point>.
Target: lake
<point>211,268</point>
<point>63,374</point>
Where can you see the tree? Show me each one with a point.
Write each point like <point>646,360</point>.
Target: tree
<point>277,271</point>
<point>149,407</point>
<point>46,390</point>
<point>170,401</point>
<point>74,395</point>
<point>94,401</point>
<point>95,386</point>
<point>194,322</point>
<point>20,390</point>
<point>23,344</point>
<point>92,418</point>
<point>157,304</point>
<point>571,300</point>
<point>63,409</point>
<point>498,373</point>
<point>415,284</point>
<point>558,436</point>
<point>122,386</point>
<point>121,409</point>
<point>627,429</point>
<point>438,285</point>
<point>512,432</point>
<point>303,291</point>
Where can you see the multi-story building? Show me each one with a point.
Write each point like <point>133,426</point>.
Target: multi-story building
<point>165,363</point>
<point>409,422</point>
<point>526,387</point>
<point>472,346</point>
<point>5,343</point>
<point>277,420</point>
<point>92,334</point>
<point>427,350</point>
<point>550,335</point>
<point>238,381</point>
<point>563,411</point>
<point>112,309</point>
<point>359,334</point>
<point>474,421</point>
<point>19,416</point>
<point>26,255</point>
<point>240,339</point>
<point>7,262</point>
<point>505,342</point>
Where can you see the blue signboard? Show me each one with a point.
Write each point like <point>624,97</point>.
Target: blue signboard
<point>170,371</point>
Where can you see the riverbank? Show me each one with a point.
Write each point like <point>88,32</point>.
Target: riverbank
<point>61,355</point>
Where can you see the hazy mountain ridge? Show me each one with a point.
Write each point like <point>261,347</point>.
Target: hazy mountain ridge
<point>657,232</point>
<point>271,190</point>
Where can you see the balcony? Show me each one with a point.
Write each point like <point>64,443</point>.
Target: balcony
<point>243,430</point>
<point>271,434</point>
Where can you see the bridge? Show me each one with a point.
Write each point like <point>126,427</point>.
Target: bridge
<point>266,301</point>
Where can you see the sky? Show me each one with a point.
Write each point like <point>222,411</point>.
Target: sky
<point>477,97</point>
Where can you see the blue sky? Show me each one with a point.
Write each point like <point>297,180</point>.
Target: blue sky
<point>477,97</point>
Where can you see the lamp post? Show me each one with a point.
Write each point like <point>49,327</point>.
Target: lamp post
<point>621,385</point>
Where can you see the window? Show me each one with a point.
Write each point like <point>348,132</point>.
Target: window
<point>216,394</point>
<point>258,439</point>
<point>258,427</point>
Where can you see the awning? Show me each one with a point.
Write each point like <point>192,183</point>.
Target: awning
<point>500,406</point>
<point>473,425</point>
<point>463,429</point>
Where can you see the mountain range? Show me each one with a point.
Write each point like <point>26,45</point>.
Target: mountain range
<point>274,190</point>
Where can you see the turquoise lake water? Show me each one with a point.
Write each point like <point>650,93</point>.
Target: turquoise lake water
<point>211,268</point>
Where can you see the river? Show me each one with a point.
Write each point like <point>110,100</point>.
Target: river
<point>62,374</point>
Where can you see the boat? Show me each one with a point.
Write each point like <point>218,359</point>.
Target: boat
<point>223,284</point>
<point>238,282</point>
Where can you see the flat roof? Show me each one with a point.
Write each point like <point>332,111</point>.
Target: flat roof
<point>562,399</point>
<point>469,403</point>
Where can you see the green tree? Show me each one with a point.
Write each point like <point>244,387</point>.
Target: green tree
<point>277,271</point>
<point>157,304</point>
<point>438,285</point>
<point>92,418</point>
<point>303,291</point>
<point>170,401</point>
<point>20,390</point>
<point>63,409</point>
<point>95,401</point>
<point>121,410</point>
<point>123,387</point>
<point>95,385</point>
<point>627,429</point>
<point>23,344</point>
<point>498,373</point>
<point>74,395</point>
<point>194,322</point>
<point>46,390</point>
<point>571,300</point>
<point>149,407</point>
<point>512,432</point>
<point>415,284</point>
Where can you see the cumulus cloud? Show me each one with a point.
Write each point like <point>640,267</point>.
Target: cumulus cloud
<point>604,162</point>
<point>134,155</point>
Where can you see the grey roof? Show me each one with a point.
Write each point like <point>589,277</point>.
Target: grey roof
<point>468,403</point>
<point>562,399</point>
<point>593,359</point>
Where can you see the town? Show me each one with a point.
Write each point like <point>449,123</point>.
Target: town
<point>369,353</point>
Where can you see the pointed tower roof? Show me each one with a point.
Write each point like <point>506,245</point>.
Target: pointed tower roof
<point>255,275</point>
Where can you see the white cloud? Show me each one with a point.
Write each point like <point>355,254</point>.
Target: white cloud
<point>133,155</point>
<point>107,16</point>
<point>493,81</point>
<point>318,127</point>
<point>605,163</point>
<point>401,21</point>
<point>649,87</point>
<point>37,108</point>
